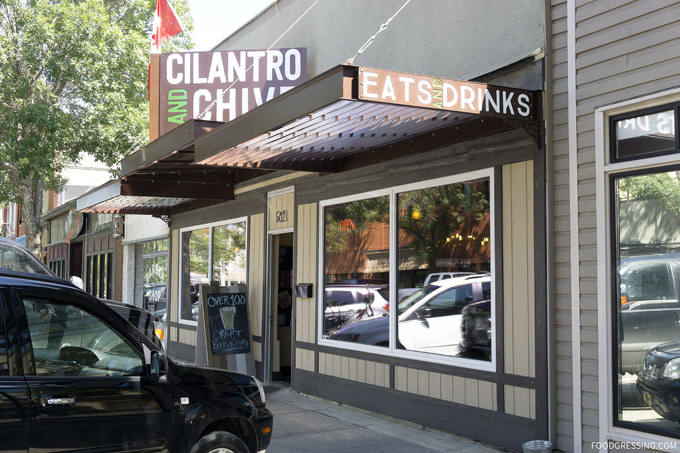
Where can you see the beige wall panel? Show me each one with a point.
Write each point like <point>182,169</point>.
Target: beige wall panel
<point>423,383</point>
<point>458,390</point>
<point>284,205</point>
<point>472,392</point>
<point>304,360</point>
<point>446,381</point>
<point>520,401</point>
<point>187,337</point>
<point>174,275</point>
<point>174,334</point>
<point>256,272</point>
<point>487,392</point>
<point>400,378</point>
<point>344,367</point>
<point>518,263</point>
<point>436,385</point>
<point>306,271</point>
<point>322,363</point>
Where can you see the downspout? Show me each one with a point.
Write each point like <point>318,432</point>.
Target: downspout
<point>574,226</point>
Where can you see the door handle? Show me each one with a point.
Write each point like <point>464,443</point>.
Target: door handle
<point>57,401</point>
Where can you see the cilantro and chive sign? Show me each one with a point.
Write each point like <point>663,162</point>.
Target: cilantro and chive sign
<point>228,325</point>
<point>229,82</point>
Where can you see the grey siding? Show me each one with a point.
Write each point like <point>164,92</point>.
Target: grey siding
<point>624,49</point>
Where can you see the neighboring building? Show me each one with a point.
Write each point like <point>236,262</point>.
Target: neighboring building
<point>80,245</point>
<point>614,91</point>
<point>562,182</point>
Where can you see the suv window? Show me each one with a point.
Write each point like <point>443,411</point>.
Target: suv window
<point>68,341</point>
<point>340,297</point>
<point>486,290</point>
<point>451,301</point>
<point>647,281</point>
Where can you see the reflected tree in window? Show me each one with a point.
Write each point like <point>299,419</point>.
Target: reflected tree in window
<point>430,220</point>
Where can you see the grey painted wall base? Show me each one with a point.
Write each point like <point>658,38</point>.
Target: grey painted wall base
<point>507,431</point>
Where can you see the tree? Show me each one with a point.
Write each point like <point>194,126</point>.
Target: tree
<point>72,80</point>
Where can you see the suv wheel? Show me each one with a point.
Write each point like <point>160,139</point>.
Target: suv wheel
<point>219,442</point>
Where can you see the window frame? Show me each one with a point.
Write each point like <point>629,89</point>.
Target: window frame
<point>392,193</point>
<point>211,227</point>
<point>608,168</point>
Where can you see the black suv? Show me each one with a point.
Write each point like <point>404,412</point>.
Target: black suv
<point>75,376</point>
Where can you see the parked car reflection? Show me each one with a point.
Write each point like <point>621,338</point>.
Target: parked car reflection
<point>429,320</point>
<point>346,303</point>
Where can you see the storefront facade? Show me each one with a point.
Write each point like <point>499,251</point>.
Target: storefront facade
<point>84,246</point>
<point>356,188</point>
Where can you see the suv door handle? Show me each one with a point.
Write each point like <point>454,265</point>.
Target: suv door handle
<point>57,402</point>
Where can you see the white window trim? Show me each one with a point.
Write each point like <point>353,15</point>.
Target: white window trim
<point>210,227</point>
<point>391,351</point>
<point>604,170</point>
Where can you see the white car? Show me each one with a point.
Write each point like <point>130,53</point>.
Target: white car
<point>343,302</point>
<point>430,318</point>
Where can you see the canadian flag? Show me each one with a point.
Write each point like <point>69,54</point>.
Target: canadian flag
<point>166,24</point>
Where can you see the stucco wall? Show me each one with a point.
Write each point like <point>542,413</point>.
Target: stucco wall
<point>449,38</point>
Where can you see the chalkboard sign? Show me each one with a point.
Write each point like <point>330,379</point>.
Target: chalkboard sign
<point>228,323</point>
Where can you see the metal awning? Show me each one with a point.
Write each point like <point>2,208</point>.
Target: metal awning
<point>353,116</point>
<point>160,178</point>
<point>345,118</point>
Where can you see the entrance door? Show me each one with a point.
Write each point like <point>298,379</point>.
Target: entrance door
<point>281,306</point>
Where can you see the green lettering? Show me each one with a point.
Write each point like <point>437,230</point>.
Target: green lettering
<point>179,119</point>
<point>178,95</point>
<point>437,93</point>
<point>177,100</point>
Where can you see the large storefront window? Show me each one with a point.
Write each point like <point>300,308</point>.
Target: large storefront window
<point>99,275</point>
<point>155,264</point>
<point>216,253</point>
<point>647,260</point>
<point>645,282</point>
<point>434,244</point>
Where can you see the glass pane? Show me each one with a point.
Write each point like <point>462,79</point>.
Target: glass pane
<point>68,341</point>
<point>195,263</point>
<point>647,310</point>
<point>229,254</point>
<point>155,286</point>
<point>151,247</point>
<point>645,134</point>
<point>4,363</point>
<point>444,259</point>
<point>356,271</point>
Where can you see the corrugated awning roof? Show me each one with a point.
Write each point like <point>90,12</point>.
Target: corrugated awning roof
<point>160,178</point>
<point>343,119</point>
<point>353,116</point>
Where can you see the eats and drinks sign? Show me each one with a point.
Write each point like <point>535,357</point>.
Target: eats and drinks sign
<point>222,85</point>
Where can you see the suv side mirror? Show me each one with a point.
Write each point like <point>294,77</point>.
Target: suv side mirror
<point>158,365</point>
<point>76,281</point>
<point>424,312</point>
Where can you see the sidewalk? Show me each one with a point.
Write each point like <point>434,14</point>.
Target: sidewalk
<point>304,424</point>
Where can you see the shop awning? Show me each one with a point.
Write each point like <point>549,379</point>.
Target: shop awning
<point>160,178</point>
<point>343,119</point>
<point>353,116</point>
